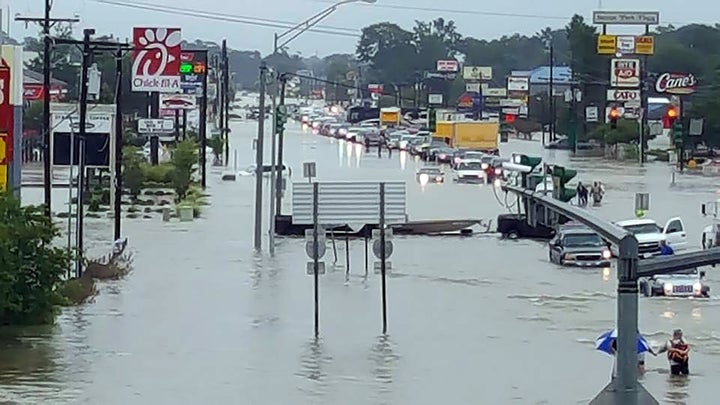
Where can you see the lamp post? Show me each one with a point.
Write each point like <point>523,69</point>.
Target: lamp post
<point>280,41</point>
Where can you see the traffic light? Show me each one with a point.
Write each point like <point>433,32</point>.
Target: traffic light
<point>432,119</point>
<point>561,176</point>
<point>510,118</point>
<point>675,125</point>
<point>280,118</point>
<point>614,115</point>
<point>530,161</point>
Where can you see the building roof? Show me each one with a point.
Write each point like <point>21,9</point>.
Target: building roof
<point>31,77</point>
<point>541,75</point>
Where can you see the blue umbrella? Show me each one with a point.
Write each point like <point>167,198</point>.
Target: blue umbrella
<point>605,341</point>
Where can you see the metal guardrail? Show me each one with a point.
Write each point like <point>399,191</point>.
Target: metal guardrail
<point>676,263</point>
<point>607,230</point>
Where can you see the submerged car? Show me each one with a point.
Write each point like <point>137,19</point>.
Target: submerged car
<point>470,170</point>
<point>579,246</point>
<point>685,284</point>
<point>430,175</point>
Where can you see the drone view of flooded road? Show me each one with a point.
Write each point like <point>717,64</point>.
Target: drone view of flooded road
<point>471,319</point>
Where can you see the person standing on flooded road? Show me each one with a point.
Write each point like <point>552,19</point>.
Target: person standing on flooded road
<point>678,353</point>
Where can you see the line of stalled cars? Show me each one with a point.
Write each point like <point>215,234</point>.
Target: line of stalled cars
<point>467,166</point>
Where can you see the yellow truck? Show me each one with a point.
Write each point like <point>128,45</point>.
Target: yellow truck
<point>390,116</point>
<point>475,135</point>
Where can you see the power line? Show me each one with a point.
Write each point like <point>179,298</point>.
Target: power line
<point>248,20</point>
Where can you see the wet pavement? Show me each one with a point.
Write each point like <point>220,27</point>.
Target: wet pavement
<point>204,320</point>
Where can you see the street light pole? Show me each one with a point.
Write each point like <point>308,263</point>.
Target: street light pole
<point>279,42</point>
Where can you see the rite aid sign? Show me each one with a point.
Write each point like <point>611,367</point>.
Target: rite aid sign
<point>676,83</point>
<point>623,95</point>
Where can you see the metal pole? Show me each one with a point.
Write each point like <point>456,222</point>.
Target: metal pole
<point>259,160</point>
<point>47,168</point>
<point>644,103</point>
<point>70,185</point>
<point>627,316</point>
<point>316,260</point>
<point>177,125</point>
<point>184,124</point>
<point>203,127</point>
<point>551,88</point>
<point>79,222</point>
<point>366,256</point>
<point>347,256</point>
<point>83,133</point>
<point>281,142</point>
<point>382,257</point>
<point>118,142</point>
<point>225,103</point>
<point>273,173</point>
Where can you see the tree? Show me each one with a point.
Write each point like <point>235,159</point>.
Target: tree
<point>30,265</point>
<point>184,157</point>
<point>587,65</point>
<point>65,61</point>
<point>390,51</point>
<point>132,170</point>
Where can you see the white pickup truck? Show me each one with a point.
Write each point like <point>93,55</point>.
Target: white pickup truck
<point>649,234</point>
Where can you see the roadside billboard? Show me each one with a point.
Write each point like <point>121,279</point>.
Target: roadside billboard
<point>447,65</point>
<point>676,83</point>
<point>477,73</point>
<point>156,60</point>
<point>516,83</point>
<point>193,68</point>
<point>178,101</point>
<point>623,95</point>
<point>625,73</point>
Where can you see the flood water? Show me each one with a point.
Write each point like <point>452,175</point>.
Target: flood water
<point>202,319</point>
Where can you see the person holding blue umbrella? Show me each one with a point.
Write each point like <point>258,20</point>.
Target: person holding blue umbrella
<point>607,342</point>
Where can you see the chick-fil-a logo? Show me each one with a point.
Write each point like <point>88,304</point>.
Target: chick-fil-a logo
<point>156,62</point>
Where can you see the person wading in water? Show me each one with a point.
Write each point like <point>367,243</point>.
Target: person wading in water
<point>678,353</point>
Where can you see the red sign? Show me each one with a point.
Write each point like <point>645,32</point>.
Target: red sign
<point>676,83</point>
<point>156,61</point>
<point>32,92</point>
<point>7,116</point>
<point>375,88</point>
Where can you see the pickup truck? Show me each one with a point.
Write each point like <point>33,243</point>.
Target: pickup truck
<point>649,234</point>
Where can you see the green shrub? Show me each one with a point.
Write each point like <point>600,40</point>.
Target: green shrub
<point>31,267</point>
<point>161,174</point>
<point>184,157</point>
<point>133,174</point>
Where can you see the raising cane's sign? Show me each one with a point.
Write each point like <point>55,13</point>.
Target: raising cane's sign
<point>676,83</point>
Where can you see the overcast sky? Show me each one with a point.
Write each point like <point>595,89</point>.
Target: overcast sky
<point>473,18</point>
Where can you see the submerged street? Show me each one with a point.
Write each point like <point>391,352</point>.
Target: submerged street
<point>202,319</point>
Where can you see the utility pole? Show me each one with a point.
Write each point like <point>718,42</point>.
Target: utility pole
<point>46,23</point>
<point>644,90</point>
<point>259,160</point>
<point>203,124</point>
<point>281,139</point>
<point>118,141</point>
<point>86,57</point>
<point>551,88</point>
<point>223,105</point>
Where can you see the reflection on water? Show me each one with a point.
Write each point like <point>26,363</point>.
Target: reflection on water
<point>313,363</point>
<point>358,154</point>
<point>678,388</point>
<point>384,359</point>
<point>403,159</point>
<point>606,271</point>
<point>349,152</point>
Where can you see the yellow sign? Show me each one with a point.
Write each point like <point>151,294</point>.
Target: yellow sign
<point>606,44</point>
<point>3,178</point>
<point>645,45</point>
<point>3,148</point>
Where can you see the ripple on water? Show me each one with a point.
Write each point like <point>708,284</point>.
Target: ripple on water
<point>313,362</point>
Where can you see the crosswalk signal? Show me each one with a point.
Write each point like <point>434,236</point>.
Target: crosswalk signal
<point>614,115</point>
<point>280,118</point>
